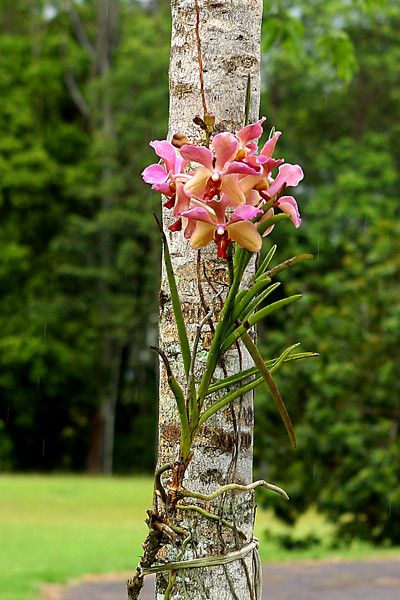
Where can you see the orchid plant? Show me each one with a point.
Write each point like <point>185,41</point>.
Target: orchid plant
<point>227,194</point>
<point>230,193</point>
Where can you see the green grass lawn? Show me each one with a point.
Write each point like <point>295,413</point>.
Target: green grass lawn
<point>56,528</point>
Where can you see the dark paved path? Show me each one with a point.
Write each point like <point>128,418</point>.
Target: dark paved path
<point>370,580</point>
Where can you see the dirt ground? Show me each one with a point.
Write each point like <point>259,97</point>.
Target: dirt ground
<point>322,580</point>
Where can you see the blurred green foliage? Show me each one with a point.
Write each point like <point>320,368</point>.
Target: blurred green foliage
<point>345,405</point>
<point>79,257</point>
<point>79,261</point>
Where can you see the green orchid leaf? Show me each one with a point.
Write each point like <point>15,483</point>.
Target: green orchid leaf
<point>176,304</point>
<point>272,364</point>
<point>257,301</point>
<point>271,385</point>
<point>225,321</point>
<point>263,226</point>
<point>238,377</point>
<point>290,262</point>
<point>242,300</point>
<point>229,398</point>
<point>265,263</point>
<point>185,441</point>
<point>253,319</point>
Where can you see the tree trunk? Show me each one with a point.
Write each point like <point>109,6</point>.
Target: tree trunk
<point>229,32</point>
<point>107,20</point>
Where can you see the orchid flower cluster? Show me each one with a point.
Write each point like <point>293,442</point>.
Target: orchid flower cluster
<point>225,194</point>
<point>227,191</point>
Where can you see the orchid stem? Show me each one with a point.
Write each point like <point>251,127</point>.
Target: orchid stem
<point>220,330</point>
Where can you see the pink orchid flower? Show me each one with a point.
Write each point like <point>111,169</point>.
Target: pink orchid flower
<point>182,204</point>
<point>288,205</point>
<point>267,151</point>
<point>258,190</point>
<point>161,177</point>
<point>288,176</point>
<point>211,224</point>
<point>264,161</point>
<point>248,139</point>
<point>230,176</point>
<point>253,198</point>
<point>246,188</point>
<point>219,175</point>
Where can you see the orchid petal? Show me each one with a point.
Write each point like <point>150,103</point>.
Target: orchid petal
<point>247,183</point>
<point>225,146</point>
<point>182,200</point>
<point>246,235</point>
<point>180,164</point>
<point>189,226</point>
<point>269,146</point>
<point>232,190</point>
<point>253,198</point>
<point>209,206</point>
<point>244,212</point>
<point>206,215</point>
<point>202,235</point>
<point>219,207</point>
<point>166,151</point>
<point>255,160</point>
<point>271,164</point>
<point>196,186</point>
<point>177,226</point>
<point>163,188</point>
<point>198,154</point>
<point>155,174</point>
<point>169,203</point>
<point>241,168</point>
<point>292,174</point>
<point>251,132</point>
<point>270,213</point>
<point>251,147</point>
<point>289,205</point>
<point>288,175</point>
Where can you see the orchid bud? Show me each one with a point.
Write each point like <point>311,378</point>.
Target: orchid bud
<point>179,139</point>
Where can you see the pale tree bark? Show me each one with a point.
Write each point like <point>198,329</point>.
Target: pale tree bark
<point>229,32</point>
